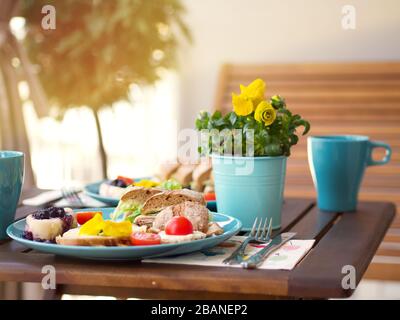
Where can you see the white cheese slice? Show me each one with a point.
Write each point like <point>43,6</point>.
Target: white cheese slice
<point>166,238</point>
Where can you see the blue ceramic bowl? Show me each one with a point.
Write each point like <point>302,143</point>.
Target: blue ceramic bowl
<point>230,225</point>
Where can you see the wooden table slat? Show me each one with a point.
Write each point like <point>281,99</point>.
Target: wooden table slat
<point>293,210</point>
<point>314,224</point>
<point>348,243</point>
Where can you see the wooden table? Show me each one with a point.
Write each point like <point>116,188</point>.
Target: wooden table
<point>341,239</point>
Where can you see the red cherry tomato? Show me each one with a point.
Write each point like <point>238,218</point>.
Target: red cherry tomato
<point>83,217</point>
<point>209,196</point>
<point>145,239</point>
<point>179,226</point>
<point>128,181</point>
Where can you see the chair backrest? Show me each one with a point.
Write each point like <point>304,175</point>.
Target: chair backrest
<point>337,98</point>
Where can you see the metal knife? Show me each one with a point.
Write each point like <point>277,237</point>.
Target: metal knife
<point>256,259</point>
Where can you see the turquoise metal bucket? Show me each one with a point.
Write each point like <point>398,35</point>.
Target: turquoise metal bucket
<point>250,187</point>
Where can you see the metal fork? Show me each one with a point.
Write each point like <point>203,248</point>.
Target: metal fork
<point>72,196</point>
<point>260,234</point>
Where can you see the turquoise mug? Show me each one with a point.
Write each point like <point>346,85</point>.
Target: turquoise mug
<point>11,179</point>
<point>337,165</point>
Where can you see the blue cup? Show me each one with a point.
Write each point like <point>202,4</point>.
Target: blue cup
<point>11,178</point>
<point>337,166</point>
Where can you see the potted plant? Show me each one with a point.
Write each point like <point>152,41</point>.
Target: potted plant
<point>249,147</point>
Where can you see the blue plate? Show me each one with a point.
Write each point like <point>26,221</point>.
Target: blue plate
<point>230,225</point>
<point>92,190</point>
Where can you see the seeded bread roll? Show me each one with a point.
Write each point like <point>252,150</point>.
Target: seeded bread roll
<point>169,198</point>
<point>184,174</point>
<point>72,238</point>
<point>139,194</point>
<point>200,175</point>
<point>166,170</point>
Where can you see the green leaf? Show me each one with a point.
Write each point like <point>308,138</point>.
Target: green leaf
<point>233,118</point>
<point>217,115</point>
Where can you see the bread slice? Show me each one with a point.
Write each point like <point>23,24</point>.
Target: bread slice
<point>139,194</point>
<point>201,174</point>
<point>184,174</point>
<point>169,198</point>
<point>167,169</point>
<point>72,238</point>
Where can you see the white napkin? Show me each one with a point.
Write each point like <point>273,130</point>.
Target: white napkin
<point>88,201</point>
<point>43,198</point>
<point>285,258</point>
<point>50,196</point>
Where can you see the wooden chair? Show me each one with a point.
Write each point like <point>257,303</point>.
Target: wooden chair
<point>337,98</point>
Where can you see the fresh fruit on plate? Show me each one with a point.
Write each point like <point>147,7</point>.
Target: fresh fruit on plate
<point>85,216</point>
<point>114,188</point>
<point>127,181</point>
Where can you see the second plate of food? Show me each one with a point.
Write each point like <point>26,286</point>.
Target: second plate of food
<point>110,191</point>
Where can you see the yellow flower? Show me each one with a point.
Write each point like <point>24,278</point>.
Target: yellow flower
<point>93,227</point>
<point>242,105</point>
<point>97,226</point>
<point>117,229</point>
<point>255,91</point>
<point>146,183</point>
<point>265,112</point>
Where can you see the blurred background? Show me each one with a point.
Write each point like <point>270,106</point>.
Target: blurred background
<point>106,89</point>
<point>180,46</point>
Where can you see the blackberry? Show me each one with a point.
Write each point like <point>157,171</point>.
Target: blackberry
<point>67,222</point>
<point>48,213</point>
<point>27,235</point>
<point>118,183</point>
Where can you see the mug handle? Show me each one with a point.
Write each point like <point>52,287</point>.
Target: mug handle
<point>379,144</point>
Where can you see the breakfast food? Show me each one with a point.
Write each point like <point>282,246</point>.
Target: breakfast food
<point>73,238</point>
<point>46,224</point>
<point>132,200</point>
<point>196,176</point>
<point>184,174</point>
<point>195,212</point>
<point>144,216</point>
<point>167,169</point>
<point>166,238</point>
<point>115,188</point>
<point>201,175</point>
<point>168,198</point>
<point>98,232</point>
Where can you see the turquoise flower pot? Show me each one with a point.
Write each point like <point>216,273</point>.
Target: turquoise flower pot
<point>250,187</point>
